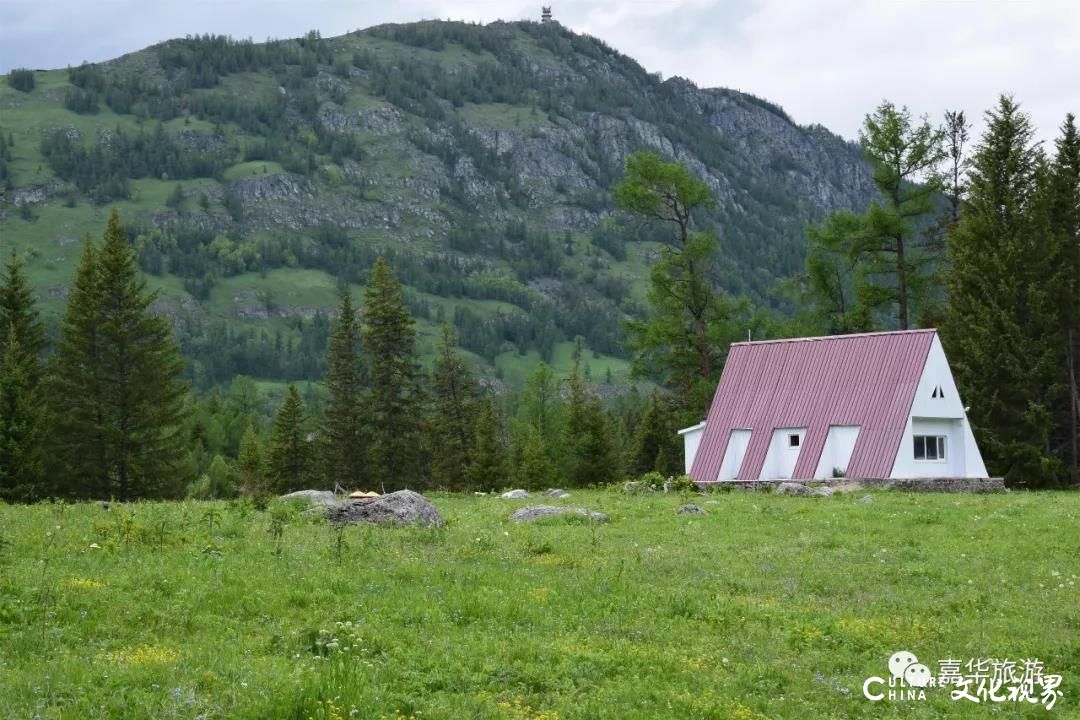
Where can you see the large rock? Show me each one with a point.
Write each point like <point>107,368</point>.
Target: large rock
<point>789,488</point>
<point>535,512</point>
<point>515,494</point>
<point>315,497</point>
<point>690,509</point>
<point>403,507</point>
<point>555,493</point>
<point>821,491</point>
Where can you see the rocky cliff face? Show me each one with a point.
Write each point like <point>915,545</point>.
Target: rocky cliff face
<point>409,136</point>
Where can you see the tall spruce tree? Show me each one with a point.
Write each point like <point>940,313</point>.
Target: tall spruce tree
<point>19,314</point>
<point>393,401</point>
<point>21,468</point>
<point>290,452</point>
<point>488,467</point>
<point>453,423</point>
<point>78,455</point>
<point>250,469</point>
<point>121,366</point>
<point>342,437</point>
<point>588,436</point>
<point>1065,224</point>
<point>1002,325</point>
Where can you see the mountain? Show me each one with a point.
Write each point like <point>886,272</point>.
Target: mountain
<point>255,177</point>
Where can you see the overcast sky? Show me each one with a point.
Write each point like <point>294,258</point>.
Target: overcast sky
<point>824,61</point>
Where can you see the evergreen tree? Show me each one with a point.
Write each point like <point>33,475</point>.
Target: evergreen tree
<point>290,452</point>
<point>18,314</point>
<point>249,464</point>
<point>588,436</point>
<point>393,398</point>
<point>118,400</point>
<point>834,277</point>
<point>905,157</point>
<point>1002,326</point>
<point>683,340</point>
<point>342,437</point>
<point>77,448</point>
<point>454,415</point>
<point>20,425</point>
<point>656,445</point>
<point>1065,225</point>
<point>488,467</point>
<point>541,412</point>
<point>536,470</point>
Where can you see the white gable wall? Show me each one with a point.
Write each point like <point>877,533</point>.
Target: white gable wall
<point>938,416</point>
<point>691,441</point>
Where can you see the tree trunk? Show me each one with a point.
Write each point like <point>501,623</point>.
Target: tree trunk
<point>901,282</point>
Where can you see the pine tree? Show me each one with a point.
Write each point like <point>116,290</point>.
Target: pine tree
<point>536,470</point>
<point>77,452</point>
<point>342,437</point>
<point>290,452</point>
<point>454,415</point>
<point>689,325</point>
<point>656,444</point>
<point>905,157</point>
<point>20,425</point>
<point>1001,329</point>
<point>488,468</point>
<point>120,367</point>
<point>1065,224</point>
<point>18,314</point>
<point>541,410</point>
<point>249,464</point>
<point>589,438</point>
<point>393,400</point>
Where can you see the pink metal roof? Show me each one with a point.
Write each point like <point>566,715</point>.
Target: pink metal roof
<point>867,380</point>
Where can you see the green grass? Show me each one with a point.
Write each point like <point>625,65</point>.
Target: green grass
<point>254,167</point>
<point>769,607</point>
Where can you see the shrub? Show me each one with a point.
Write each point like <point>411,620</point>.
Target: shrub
<point>683,484</point>
<point>21,79</point>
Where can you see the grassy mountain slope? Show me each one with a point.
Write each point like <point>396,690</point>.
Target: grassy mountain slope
<point>254,177</point>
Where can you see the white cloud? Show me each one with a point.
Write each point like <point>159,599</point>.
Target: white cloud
<point>826,61</point>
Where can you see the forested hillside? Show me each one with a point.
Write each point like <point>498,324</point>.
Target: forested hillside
<point>254,178</point>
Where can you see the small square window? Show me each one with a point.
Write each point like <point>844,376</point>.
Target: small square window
<point>793,440</point>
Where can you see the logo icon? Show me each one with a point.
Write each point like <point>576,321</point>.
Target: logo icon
<point>908,678</point>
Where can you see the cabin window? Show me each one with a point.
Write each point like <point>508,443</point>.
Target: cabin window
<point>929,447</point>
<point>793,440</point>
<point>938,392</point>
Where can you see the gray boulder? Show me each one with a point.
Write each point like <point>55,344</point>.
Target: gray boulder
<point>315,497</point>
<point>555,493</point>
<point>403,507</point>
<point>821,491</point>
<point>866,499</point>
<point>790,488</point>
<point>515,494</point>
<point>690,509</point>
<point>535,512</point>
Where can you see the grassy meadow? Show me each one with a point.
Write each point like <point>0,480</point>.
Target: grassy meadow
<point>768,607</point>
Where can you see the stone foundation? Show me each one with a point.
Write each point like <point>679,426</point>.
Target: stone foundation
<point>966,485</point>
